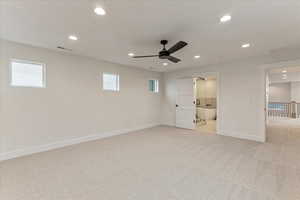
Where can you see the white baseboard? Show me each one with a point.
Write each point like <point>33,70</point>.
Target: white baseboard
<point>168,124</point>
<point>244,136</point>
<point>64,143</point>
<point>247,136</point>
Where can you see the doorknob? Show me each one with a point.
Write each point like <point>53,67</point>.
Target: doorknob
<point>177,105</point>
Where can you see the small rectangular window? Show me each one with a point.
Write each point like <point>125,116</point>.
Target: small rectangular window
<point>111,82</point>
<point>27,74</point>
<point>153,86</point>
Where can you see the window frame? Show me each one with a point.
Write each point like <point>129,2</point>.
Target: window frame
<point>118,82</point>
<point>26,62</point>
<point>156,83</point>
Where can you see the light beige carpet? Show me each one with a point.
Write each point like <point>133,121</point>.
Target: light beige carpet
<point>161,163</point>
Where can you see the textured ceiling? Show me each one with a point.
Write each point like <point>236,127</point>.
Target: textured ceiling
<point>138,26</point>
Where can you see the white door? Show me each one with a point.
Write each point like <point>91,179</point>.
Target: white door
<point>185,104</point>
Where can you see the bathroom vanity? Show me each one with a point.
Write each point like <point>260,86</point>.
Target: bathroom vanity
<point>206,112</point>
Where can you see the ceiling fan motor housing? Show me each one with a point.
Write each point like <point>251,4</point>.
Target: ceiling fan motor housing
<point>164,54</point>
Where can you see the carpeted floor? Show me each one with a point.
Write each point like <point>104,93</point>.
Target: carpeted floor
<point>161,163</point>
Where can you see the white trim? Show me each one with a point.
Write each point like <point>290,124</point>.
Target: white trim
<point>169,124</point>
<point>247,136</point>
<point>46,147</point>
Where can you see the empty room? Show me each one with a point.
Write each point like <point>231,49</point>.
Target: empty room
<point>149,100</point>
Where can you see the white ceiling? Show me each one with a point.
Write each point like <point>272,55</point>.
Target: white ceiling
<point>287,69</point>
<point>138,26</point>
<point>284,74</point>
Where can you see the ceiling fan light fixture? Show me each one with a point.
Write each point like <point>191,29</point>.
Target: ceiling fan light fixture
<point>131,54</point>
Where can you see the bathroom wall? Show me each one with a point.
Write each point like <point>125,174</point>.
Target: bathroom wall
<point>206,91</point>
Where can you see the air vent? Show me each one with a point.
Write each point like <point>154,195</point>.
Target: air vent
<point>63,48</point>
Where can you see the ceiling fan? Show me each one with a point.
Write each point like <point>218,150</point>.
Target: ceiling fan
<point>166,54</point>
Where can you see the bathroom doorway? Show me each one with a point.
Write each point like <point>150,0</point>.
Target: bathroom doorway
<point>206,103</point>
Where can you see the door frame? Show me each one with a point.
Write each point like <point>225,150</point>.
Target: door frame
<point>205,74</point>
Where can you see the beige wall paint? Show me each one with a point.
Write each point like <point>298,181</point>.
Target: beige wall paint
<point>73,104</point>
<point>280,92</point>
<point>206,88</point>
<point>295,91</point>
<point>241,103</point>
<point>284,91</point>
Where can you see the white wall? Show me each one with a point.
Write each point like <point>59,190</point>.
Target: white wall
<point>73,104</point>
<point>295,91</point>
<point>280,92</point>
<point>241,89</point>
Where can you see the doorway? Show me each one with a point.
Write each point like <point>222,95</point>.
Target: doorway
<point>282,102</point>
<point>283,89</point>
<point>205,92</point>
<point>197,100</point>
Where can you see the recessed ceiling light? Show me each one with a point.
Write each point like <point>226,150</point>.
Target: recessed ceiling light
<point>225,18</point>
<point>165,64</point>
<point>73,37</point>
<point>197,56</point>
<point>246,45</point>
<point>284,77</point>
<point>284,71</point>
<point>99,11</point>
<point>131,54</point>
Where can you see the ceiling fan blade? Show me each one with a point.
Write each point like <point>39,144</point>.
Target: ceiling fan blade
<point>145,56</point>
<point>177,46</point>
<point>173,59</point>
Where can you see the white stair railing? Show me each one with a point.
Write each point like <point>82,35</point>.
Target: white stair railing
<point>284,110</point>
